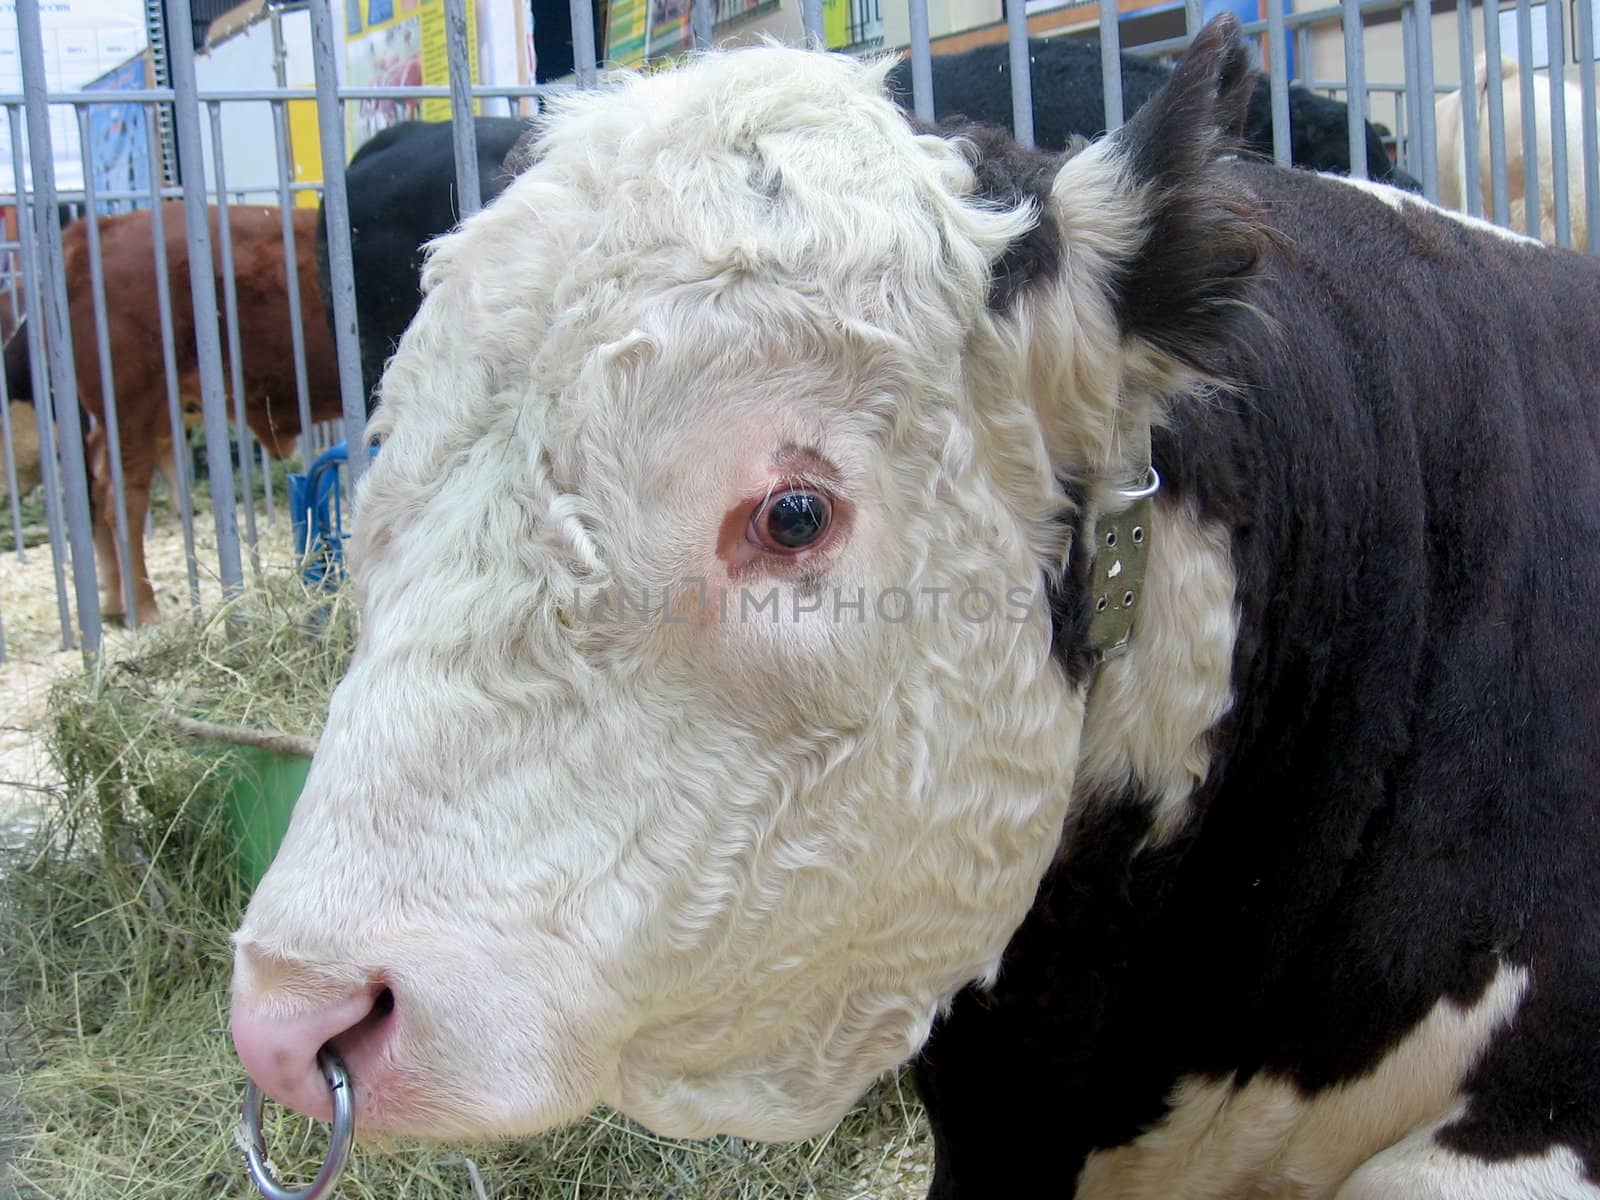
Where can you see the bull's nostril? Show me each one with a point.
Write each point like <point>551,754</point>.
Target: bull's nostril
<point>362,1043</point>
<point>280,1050</point>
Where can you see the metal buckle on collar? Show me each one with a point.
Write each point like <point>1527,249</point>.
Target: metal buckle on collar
<point>1121,548</point>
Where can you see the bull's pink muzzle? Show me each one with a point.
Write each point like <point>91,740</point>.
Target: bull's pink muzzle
<point>277,1034</point>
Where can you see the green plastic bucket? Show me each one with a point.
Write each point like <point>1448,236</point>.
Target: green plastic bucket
<point>258,802</point>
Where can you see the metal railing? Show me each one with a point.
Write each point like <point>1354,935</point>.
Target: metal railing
<point>33,269</point>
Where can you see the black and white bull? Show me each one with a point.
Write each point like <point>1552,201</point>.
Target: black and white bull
<point>1069,101</point>
<point>739,710</point>
<point>401,187</point>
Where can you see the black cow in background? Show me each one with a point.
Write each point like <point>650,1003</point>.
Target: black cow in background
<point>402,192</point>
<point>402,183</point>
<point>1069,98</point>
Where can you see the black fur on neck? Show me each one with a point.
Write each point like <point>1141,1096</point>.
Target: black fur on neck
<point>1009,175</point>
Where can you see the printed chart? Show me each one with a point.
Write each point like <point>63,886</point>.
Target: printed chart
<point>83,39</point>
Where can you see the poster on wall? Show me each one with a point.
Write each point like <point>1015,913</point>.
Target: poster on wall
<point>83,39</point>
<point>646,31</point>
<point>119,140</point>
<point>398,43</point>
<point>836,32</point>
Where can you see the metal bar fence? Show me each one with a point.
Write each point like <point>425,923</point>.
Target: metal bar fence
<point>291,268</point>
<point>222,345</point>
<point>58,327</point>
<point>1591,123</point>
<point>230,308</point>
<point>179,462</point>
<point>1467,172</point>
<point>921,60</point>
<point>703,18</point>
<point>1428,173</point>
<point>1021,74</point>
<point>341,266</point>
<point>33,331</point>
<point>1556,45</point>
<point>1279,84</point>
<point>1355,73</point>
<point>1499,186</point>
<point>1111,66</point>
<point>203,294</point>
<point>108,387</point>
<point>468,199</point>
<point>1530,117</point>
<point>811,24</point>
<point>1408,118</point>
<point>583,55</point>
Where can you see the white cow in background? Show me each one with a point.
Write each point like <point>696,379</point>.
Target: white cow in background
<point>1452,170</point>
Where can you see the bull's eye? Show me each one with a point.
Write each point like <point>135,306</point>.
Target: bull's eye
<point>791,520</point>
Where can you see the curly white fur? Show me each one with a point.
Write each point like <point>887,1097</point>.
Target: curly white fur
<point>718,873</point>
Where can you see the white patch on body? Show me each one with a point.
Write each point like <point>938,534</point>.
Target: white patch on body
<point>1419,1168</point>
<point>1392,196</point>
<point>1267,1139</point>
<point>1401,200</point>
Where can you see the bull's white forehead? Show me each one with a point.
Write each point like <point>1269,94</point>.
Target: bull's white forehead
<point>786,165</point>
<point>764,166</point>
<point>684,249</point>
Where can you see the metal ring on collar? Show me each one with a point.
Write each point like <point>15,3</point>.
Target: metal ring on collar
<point>344,1128</point>
<point>1151,485</point>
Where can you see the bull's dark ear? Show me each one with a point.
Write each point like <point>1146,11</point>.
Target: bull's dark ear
<point>1200,243</point>
<point>1160,243</point>
<point>1209,92</point>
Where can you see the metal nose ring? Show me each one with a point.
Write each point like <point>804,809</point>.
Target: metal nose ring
<point>344,1128</point>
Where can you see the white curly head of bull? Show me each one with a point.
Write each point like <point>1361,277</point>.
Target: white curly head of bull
<point>709,728</point>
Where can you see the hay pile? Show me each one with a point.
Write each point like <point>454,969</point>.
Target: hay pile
<point>120,1078</point>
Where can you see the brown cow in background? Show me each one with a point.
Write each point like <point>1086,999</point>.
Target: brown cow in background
<point>25,445</point>
<point>138,368</point>
<point>24,432</point>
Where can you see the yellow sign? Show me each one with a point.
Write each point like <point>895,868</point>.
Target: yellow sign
<point>643,31</point>
<point>836,23</point>
<point>398,43</point>
<point>305,149</point>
